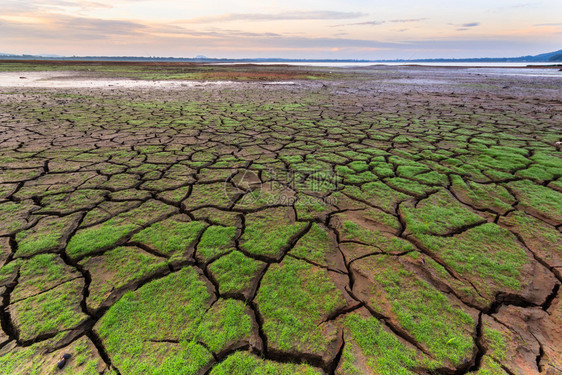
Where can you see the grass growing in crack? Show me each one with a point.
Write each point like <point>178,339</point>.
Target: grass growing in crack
<point>460,286</point>
<point>385,354</point>
<point>268,232</point>
<point>103,236</point>
<point>491,196</point>
<point>9,271</point>
<point>207,195</point>
<point>170,236</point>
<point>117,268</point>
<point>216,240</point>
<point>108,233</point>
<point>310,208</point>
<point>537,173</point>
<point>293,299</point>
<point>383,241</point>
<point>496,343</point>
<point>489,366</point>
<point>438,214</point>
<point>227,322</point>
<point>427,314</point>
<point>378,194</point>
<point>45,236</point>
<point>485,254</point>
<point>55,310</point>
<point>314,245</point>
<point>234,272</point>
<point>546,201</point>
<point>164,309</point>
<point>40,273</point>
<point>12,216</point>
<point>37,360</point>
<point>70,202</point>
<point>175,195</point>
<point>541,238</point>
<point>244,363</point>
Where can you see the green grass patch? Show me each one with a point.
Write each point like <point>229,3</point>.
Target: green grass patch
<point>169,308</point>
<point>427,314</point>
<point>293,299</point>
<point>55,310</point>
<point>438,214</point>
<point>172,236</point>
<point>235,272</point>
<point>40,273</point>
<point>543,200</point>
<point>384,353</point>
<point>46,235</point>
<point>488,255</point>
<point>315,245</point>
<point>216,240</point>
<point>110,232</point>
<point>244,363</point>
<point>117,268</point>
<point>269,231</point>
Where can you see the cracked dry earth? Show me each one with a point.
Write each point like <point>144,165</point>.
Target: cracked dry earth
<point>387,221</point>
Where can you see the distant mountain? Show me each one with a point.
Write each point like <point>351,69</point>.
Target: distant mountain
<point>542,58</point>
<point>553,57</point>
<point>11,55</point>
<point>556,57</point>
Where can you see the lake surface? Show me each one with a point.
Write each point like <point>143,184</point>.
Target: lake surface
<point>524,69</point>
<point>364,64</point>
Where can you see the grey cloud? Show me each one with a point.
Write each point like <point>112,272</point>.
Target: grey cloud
<point>304,42</point>
<point>370,23</point>
<point>376,23</point>
<point>76,4</point>
<point>522,5</point>
<point>86,35</point>
<point>73,28</point>
<point>407,20</point>
<point>549,24</point>
<point>179,32</point>
<point>471,24</point>
<point>100,26</point>
<point>282,16</point>
<point>19,7</point>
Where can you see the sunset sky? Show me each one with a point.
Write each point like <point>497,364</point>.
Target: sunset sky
<point>334,29</point>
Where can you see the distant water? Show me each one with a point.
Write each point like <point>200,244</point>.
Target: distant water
<point>524,69</point>
<point>363,64</point>
<point>514,71</point>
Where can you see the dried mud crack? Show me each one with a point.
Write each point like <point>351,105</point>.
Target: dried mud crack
<point>375,220</point>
